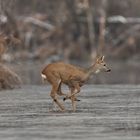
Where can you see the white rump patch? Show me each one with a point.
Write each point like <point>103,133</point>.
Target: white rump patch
<point>43,76</point>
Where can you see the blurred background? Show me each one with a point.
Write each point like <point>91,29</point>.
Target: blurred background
<point>34,33</point>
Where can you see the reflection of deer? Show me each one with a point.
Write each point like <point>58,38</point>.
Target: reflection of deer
<point>73,76</point>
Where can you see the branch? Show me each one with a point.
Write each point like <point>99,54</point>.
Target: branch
<point>39,23</point>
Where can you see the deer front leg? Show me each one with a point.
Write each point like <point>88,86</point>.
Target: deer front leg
<point>74,90</point>
<point>69,97</point>
<point>73,93</point>
<point>73,103</point>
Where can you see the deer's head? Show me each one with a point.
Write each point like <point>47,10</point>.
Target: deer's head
<point>101,65</point>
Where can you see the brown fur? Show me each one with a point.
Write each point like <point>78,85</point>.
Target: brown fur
<point>74,77</point>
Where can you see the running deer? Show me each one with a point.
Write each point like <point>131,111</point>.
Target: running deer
<point>74,77</point>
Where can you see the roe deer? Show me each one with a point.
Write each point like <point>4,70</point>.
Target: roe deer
<point>74,77</point>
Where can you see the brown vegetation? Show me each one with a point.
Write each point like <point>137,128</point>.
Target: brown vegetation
<point>73,28</point>
<point>46,31</point>
<point>8,79</point>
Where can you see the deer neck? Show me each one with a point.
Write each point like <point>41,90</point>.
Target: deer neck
<point>92,70</point>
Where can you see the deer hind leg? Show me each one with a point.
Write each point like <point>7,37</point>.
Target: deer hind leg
<point>54,96</point>
<point>59,91</point>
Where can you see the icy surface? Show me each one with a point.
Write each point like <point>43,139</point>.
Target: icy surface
<point>105,112</point>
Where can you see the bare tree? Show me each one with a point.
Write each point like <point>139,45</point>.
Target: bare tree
<point>7,21</point>
<point>102,21</point>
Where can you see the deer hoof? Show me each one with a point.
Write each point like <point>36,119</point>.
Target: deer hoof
<point>64,99</point>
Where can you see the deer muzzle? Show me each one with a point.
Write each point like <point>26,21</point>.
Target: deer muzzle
<point>108,70</point>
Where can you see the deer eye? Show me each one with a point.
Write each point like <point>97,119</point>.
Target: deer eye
<point>104,64</point>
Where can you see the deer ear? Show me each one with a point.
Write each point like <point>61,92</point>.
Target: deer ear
<point>98,59</point>
<point>102,58</point>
